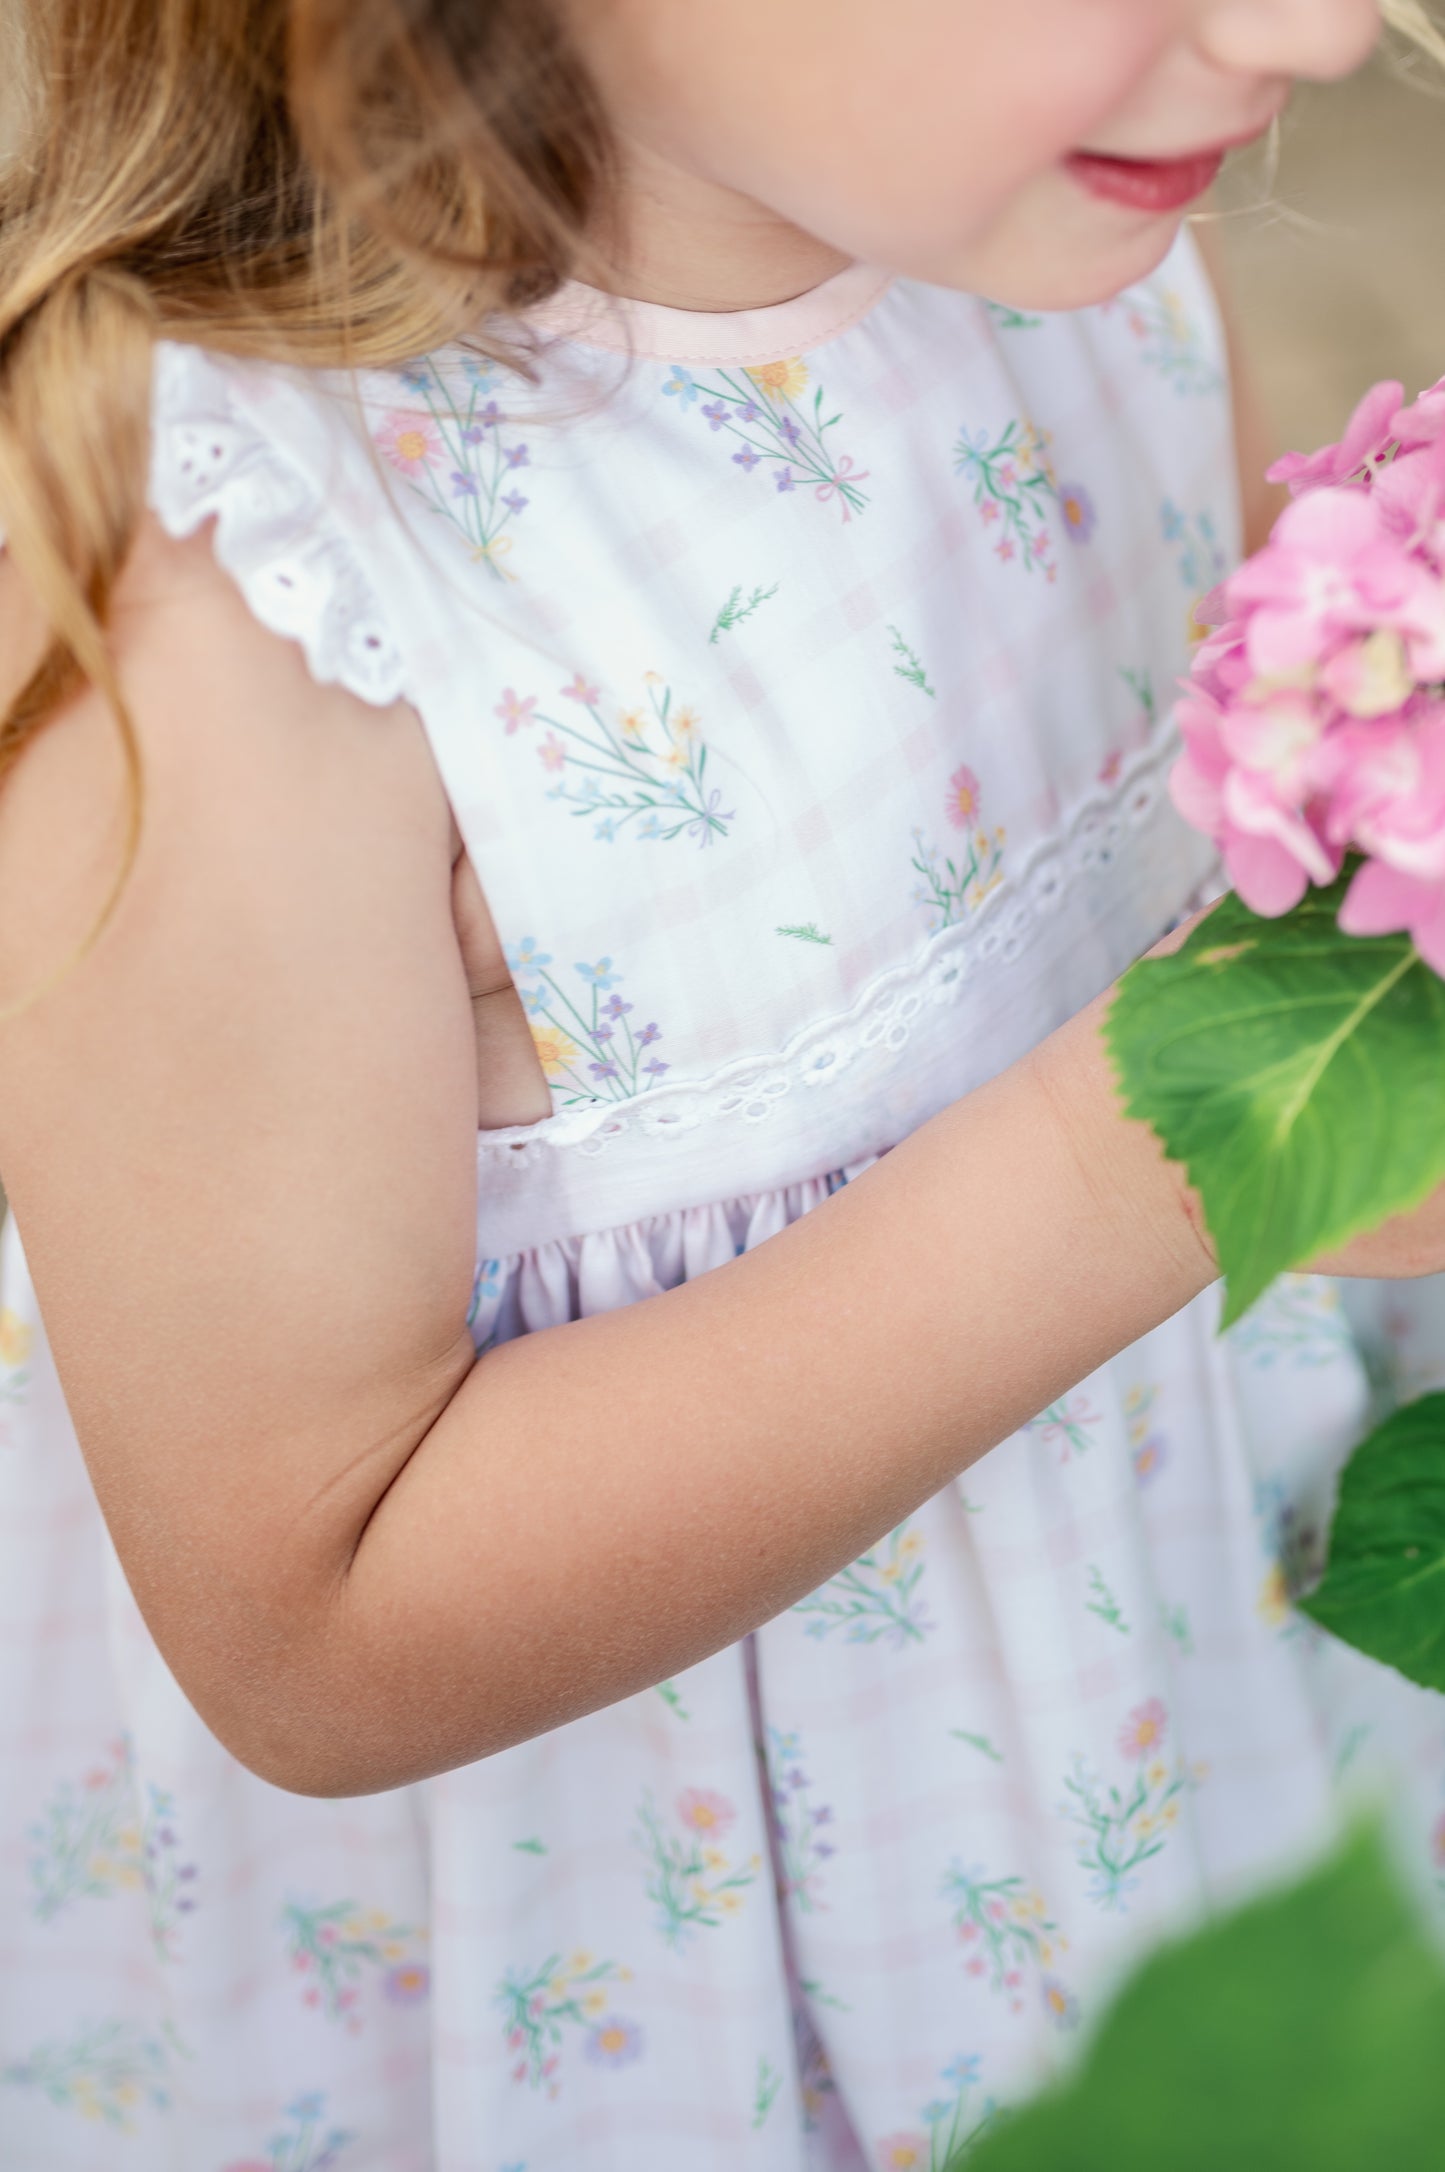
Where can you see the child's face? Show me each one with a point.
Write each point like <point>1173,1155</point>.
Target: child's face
<point>939,137</point>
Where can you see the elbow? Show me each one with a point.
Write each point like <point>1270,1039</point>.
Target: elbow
<point>303,1733</point>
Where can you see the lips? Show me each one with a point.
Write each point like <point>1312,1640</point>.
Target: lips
<point>1152,186</point>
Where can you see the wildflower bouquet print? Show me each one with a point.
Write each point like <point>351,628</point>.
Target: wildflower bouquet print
<point>1291,1056</point>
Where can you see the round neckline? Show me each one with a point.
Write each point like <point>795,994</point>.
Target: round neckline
<point>652,332</point>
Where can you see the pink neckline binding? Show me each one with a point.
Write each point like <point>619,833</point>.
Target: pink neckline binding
<point>653,333</point>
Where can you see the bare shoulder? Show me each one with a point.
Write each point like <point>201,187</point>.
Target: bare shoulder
<point>231,735</point>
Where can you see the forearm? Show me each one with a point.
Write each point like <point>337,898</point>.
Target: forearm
<point>604,1504</point>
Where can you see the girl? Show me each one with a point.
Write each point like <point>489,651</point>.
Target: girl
<point>572,684</point>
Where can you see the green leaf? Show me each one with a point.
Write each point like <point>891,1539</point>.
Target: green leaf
<point>1303,2034</point>
<point>1384,1589</point>
<point>1298,1075</point>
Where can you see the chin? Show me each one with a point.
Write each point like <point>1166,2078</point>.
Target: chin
<point>1042,276</point>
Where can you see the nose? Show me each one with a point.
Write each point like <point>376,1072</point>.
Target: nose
<point>1316,40</point>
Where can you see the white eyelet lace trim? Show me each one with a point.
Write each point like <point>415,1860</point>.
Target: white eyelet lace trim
<point>275,533</point>
<point>882,1021</point>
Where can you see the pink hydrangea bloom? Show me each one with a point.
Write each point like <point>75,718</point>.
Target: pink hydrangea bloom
<point>1314,723</point>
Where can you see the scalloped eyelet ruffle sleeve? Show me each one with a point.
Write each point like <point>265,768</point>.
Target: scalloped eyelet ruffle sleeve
<point>285,545</point>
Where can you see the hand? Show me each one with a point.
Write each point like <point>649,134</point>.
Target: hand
<point>1401,1250</point>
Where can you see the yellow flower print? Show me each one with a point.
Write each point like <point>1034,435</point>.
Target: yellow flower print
<point>1170,1813</point>
<point>714,1859</point>
<point>634,726</point>
<point>1176,316</point>
<point>904,2153</point>
<point>556,1052</point>
<point>594,2002</point>
<point>1273,1602</point>
<point>729,1903</point>
<point>686,723</point>
<point>781,380</point>
<point>15,1338</point>
<point>1157,1774</point>
<point>580,1962</point>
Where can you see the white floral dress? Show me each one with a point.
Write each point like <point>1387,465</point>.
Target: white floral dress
<point>800,681</point>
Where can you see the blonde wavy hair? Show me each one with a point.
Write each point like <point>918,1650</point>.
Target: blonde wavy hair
<point>339,182</point>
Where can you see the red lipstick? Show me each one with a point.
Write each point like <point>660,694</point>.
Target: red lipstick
<point>1152,186</point>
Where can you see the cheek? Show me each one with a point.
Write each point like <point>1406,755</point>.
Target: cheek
<point>892,131</point>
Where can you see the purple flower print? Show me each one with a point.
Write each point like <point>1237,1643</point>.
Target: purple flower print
<point>451,451</point>
<point>603,1070</point>
<point>648,1035</point>
<point>656,1068</point>
<point>1081,516</point>
<point>515,502</point>
<point>407,1985</point>
<point>603,1033</point>
<point>614,1007</point>
<point>758,407</point>
<point>614,2042</point>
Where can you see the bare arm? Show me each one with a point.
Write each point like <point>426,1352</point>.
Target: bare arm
<point>240,1143</point>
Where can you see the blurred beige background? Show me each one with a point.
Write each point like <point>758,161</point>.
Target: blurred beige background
<point>1337,263</point>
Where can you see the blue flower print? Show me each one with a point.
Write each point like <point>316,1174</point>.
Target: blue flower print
<point>526,957</point>
<point>681,387</point>
<point>600,976</point>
